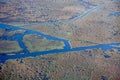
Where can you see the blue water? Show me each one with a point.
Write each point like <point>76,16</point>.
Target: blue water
<point>86,4</point>
<point>75,18</point>
<point>104,78</point>
<point>90,11</point>
<point>67,47</point>
<point>4,1</point>
<point>115,14</point>
<point>107,56</point>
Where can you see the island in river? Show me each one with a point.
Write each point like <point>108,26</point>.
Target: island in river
<point>59,40</point>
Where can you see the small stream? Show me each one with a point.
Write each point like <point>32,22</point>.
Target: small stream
<point>67,47</point>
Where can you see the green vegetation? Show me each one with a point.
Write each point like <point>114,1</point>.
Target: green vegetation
<point>9,46</point>
<point>61,18</point>
<point>67,66</point>
<point>11,33</point>
<point>93,28</point>
<point>37,43</point>
<point>1,31</point>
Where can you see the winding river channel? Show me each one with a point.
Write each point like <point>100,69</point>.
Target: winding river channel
<point>67,47</point>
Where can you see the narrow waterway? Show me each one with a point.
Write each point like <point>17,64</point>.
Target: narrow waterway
<point>67,47</point>
<point>78,17</point>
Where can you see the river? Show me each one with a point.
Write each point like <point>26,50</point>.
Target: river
<point>67,47</point>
